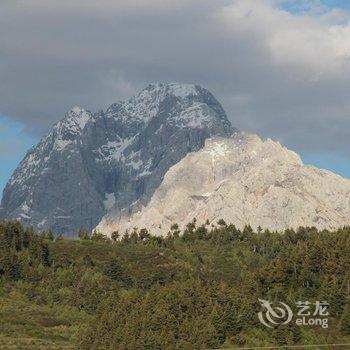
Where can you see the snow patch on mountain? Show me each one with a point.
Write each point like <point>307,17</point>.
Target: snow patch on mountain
<point>113,150</point>
<point>195,116</point>
<point>74,121</point>
<point>182,90</point>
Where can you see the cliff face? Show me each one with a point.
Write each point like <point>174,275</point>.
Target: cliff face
<point>111,161</point>
<point>243,180</point>
<point>167,155</point>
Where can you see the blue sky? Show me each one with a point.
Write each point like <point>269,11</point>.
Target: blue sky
<point>14,143</point>
<point>337,3</point>
<point>297,6</point>
<point>338,164</point>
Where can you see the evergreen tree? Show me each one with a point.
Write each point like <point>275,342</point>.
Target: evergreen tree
<point>50,236</point>
<point>115,236</point>
<point>83,234</point>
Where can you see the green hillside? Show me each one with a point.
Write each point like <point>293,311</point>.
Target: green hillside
<point>194,290</point>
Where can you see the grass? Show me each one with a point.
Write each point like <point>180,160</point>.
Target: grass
<point>27,325</point>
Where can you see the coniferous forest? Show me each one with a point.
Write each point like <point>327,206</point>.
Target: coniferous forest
<point>197,289</point>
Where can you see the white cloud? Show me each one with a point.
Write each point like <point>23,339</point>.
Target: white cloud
<point>303,42</point>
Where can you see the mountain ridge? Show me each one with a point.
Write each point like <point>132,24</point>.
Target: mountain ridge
<point>90,162</point>
<point>242,180</point>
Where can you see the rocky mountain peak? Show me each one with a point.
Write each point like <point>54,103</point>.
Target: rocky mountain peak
<point>90,164</point>
<point>73,122</point>
<point>243,180</point>
<point>181,91</point>
<point>182,104</point>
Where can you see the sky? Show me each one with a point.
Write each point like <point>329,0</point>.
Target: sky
<point>300,6</point>
<point>280,68</point>
<point>14,143</point>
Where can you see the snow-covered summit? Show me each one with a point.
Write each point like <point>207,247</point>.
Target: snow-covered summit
<point>122,154</point>
<point>177,89</point>
<point>185,104</point>
<point>74,121</point>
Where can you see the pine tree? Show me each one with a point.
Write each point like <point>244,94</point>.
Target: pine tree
<point>50,236</point>
<point>98,236</point>
<point>83,234</point>
<point>115,236</point>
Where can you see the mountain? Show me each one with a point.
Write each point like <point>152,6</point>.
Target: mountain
<point>242,180</point>
<point>91,163</point>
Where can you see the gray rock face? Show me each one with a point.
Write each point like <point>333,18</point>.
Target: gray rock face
<point>91,164</point>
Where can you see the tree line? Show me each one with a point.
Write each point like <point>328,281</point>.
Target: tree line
<point>196,289</point>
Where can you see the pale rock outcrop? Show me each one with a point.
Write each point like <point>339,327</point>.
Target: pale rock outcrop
<point>242,180</point>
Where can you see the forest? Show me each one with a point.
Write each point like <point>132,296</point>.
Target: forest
<point>196,289</point>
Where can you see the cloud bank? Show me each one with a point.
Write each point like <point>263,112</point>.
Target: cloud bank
<point>278,74</point>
